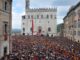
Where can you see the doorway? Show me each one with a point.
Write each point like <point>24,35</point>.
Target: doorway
<point>5,51</point>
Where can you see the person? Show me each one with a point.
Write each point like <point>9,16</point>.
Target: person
<point>35,57</point>
<point>43,58</point>
<point>2,58</point>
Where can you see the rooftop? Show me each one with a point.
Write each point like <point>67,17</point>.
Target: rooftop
<point>72,9</point>
<point>41,9</point>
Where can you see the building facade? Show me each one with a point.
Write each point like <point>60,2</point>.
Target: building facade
<point>72,23</point>
<point>40,21</point>
<point>60,28</point>
<point>43,20</point>
<point>5,26</point>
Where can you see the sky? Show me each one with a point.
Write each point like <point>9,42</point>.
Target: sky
<point>18,9</point>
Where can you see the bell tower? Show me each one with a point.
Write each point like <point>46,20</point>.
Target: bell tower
<point>27,4</point>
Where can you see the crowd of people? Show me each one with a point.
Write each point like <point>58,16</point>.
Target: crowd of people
<point>44,48</point>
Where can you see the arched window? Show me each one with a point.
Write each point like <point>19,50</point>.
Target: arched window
<point>39,29</point>
<point>37,16</point>
<point>23,17</point>
<point>23,33</point>
<point>49,29</point>
<point>23,29</point>
<point>31,29</point>
<point>47,16</point>
<point>41,16</point>
<point>5,28</point>
<point>5,51</point>
<point>51,16</point>
<point>5,5</point>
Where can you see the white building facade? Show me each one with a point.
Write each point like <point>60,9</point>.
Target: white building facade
<point>44,21</point>
<point>40,21</point>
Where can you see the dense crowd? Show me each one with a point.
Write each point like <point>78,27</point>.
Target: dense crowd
<point>44,48</point>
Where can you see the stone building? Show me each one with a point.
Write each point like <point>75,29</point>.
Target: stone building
<point>72,23</point>
<point>5,26</point>
<point>39,21</point>
<point>60,29</point>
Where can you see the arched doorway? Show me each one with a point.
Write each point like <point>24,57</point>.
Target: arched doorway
<point>39,32</point>
<point>39,29</point>
<point>5,51</point>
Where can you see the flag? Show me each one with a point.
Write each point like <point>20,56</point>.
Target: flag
<point>32,25</point>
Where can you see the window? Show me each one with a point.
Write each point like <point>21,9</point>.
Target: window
<point>5,51</point>
<point>47,35</point>
<point>55,17</point>
<point>74,13</point>
<point>78,33</point>
<point>51,16</point>
<point>49,29</point>
<point>39,29</point>
<point>23,17</point>
<point>5,31</point>
<point>48,21</point>
<point>28,16</point>
<point>47,16</point>
<point>75,24</point>
<point>23,29</point>
<point>79,13</point>
<point>5,5</point>
<point>42,16</point>
<point>31,16</point>
<point>31,29</point>
<point>78,40</point>
<point>23,33</point>
<point>74,33</point>
<point>5,26</point>
<point>78,20</point>
<point>37,16</point>
<point>23,23</point>
<point>78,23</point>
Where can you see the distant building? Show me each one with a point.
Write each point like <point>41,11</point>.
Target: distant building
<point>72,23</point>
<point>5,26</point>
<point>16,32</point>
<point>60,29</point>
<point>40,21</point>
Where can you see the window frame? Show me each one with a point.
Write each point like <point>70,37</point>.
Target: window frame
<point>49,29</point>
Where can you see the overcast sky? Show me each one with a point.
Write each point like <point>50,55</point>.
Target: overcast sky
<point>18,9</point>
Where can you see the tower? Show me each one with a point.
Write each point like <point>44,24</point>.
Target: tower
<point>27,4</point>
